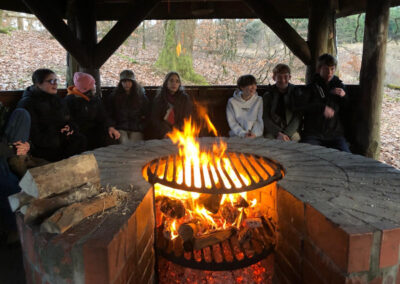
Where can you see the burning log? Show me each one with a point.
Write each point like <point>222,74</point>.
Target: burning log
<point>66,217</point>
<point>252,223</point>
<point>171,207</point>
<point>40,208</point>
<point>188,231</point>
<point>210,201</point>
<point>245,234</point>
<point>211,238</point>
<point>18,200</point>
<point>229,213</point>
<point>59,177</point>
<point>241,202</point>
<point>239,255</point>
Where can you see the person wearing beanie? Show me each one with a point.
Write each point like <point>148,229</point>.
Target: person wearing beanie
<point>87,110</point>
<point>53,135</point>
<point>128,108</point>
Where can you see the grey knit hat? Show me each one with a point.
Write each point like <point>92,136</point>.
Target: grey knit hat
<point>127,75</point>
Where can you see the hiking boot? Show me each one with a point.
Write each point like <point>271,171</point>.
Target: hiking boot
<point>18,165</point>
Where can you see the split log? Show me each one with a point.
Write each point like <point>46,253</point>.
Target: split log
<point>210,201</point>
<point>252,223</point>
<point>66,217</point>
<point>18,200</point>
<point>171,207</point>
<point>188,231</point>
<point>40,208</point>
<point>229,213</point>
<point>59,177</point>
<point>212,238</point>
<point>245,234</point>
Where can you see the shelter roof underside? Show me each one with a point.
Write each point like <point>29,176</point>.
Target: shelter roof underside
<point>197,9</point>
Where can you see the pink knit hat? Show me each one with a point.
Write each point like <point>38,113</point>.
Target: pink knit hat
<point>83,81</point>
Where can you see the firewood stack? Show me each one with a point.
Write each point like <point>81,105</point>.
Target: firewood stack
<point>60,195</point>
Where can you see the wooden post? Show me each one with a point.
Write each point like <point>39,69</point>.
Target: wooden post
<point>321,32</point>
<point>372,78</point>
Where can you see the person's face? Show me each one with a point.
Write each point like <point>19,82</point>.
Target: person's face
<point>326,72</point>
<point>49,84</point>
<point>249,90</point>
<point>127,85</point>
<point>282,80</point>
<point>173,84</point>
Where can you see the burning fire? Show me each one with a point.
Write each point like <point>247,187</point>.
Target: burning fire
<point>210,212</point>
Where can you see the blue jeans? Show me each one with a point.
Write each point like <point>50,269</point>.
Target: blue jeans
<point>17,129</point>
<point>338,142</point>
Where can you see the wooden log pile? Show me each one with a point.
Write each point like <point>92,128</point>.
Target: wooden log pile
<point>60,195</point>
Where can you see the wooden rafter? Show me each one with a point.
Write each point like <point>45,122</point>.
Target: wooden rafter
<point>44,11</point>
<point>122,29</point>
<point>269,15</point>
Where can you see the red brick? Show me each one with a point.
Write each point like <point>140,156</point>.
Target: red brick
<point>95,263</point>
<point>327,236</point>
<point>128,270</point>
<point>284,265</point>
<point>290,210</point>
<point>389,254</point>
<point>377,280</point>
<point>360,246</point>
<point>398,275</point>
<point>322,264</point>
<point>293,256</point>
<point>310,276</point>
<point>131,235</point>
<point>290,235</point>
<point>357,279</point>
<point>145,216</point>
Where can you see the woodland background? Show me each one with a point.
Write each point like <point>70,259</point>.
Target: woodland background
<point>204,52</point>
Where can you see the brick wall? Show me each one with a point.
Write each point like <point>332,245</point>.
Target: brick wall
<point>313,249</point>
<point>93,251</point>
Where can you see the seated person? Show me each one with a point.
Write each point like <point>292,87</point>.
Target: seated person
<point>170,106</point>
<point>128,108</point>
<point>52,135</point>
<point>322,108</point>
<point>14,147</point>
<point>280,121</point>
<point>245,109</point>
<point>87,111</point>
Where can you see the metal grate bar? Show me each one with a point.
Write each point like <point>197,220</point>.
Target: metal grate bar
<point>235,170</point>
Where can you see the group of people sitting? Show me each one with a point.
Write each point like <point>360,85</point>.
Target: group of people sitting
<point>51,128</point>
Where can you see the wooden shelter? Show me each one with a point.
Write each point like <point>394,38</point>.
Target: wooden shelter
<point>78,36</point>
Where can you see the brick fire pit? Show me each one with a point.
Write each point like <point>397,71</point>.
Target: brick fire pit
<point>338,219</point>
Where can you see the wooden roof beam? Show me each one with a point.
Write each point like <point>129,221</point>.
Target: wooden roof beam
<point>48,16</point>
<point>269,15</point>
<point>122,30</point>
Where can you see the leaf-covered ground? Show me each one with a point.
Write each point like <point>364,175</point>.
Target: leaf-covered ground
<point>23,52</point>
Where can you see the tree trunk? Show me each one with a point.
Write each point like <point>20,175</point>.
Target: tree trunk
<point>321,32</point>
<point>144,35</point>
<point>372,77</point>
<point>176,53</point>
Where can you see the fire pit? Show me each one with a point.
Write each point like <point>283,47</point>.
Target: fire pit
<point>336,217</point>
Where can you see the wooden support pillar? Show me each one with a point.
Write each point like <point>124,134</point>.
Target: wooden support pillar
<point>321,32</point>
<point>372,77</point>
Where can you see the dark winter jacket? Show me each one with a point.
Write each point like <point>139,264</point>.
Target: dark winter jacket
<point>313,107</point>
<point>182,106</point>
<point>49,114</point>
<point>87,113</point>
<point>278,114</point>
<point>128,112</point>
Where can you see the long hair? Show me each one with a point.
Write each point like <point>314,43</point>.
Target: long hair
<point>163,91</point>
<point>135,96</point>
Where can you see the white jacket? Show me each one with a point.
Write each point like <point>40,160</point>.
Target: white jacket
<point>244,115</point>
